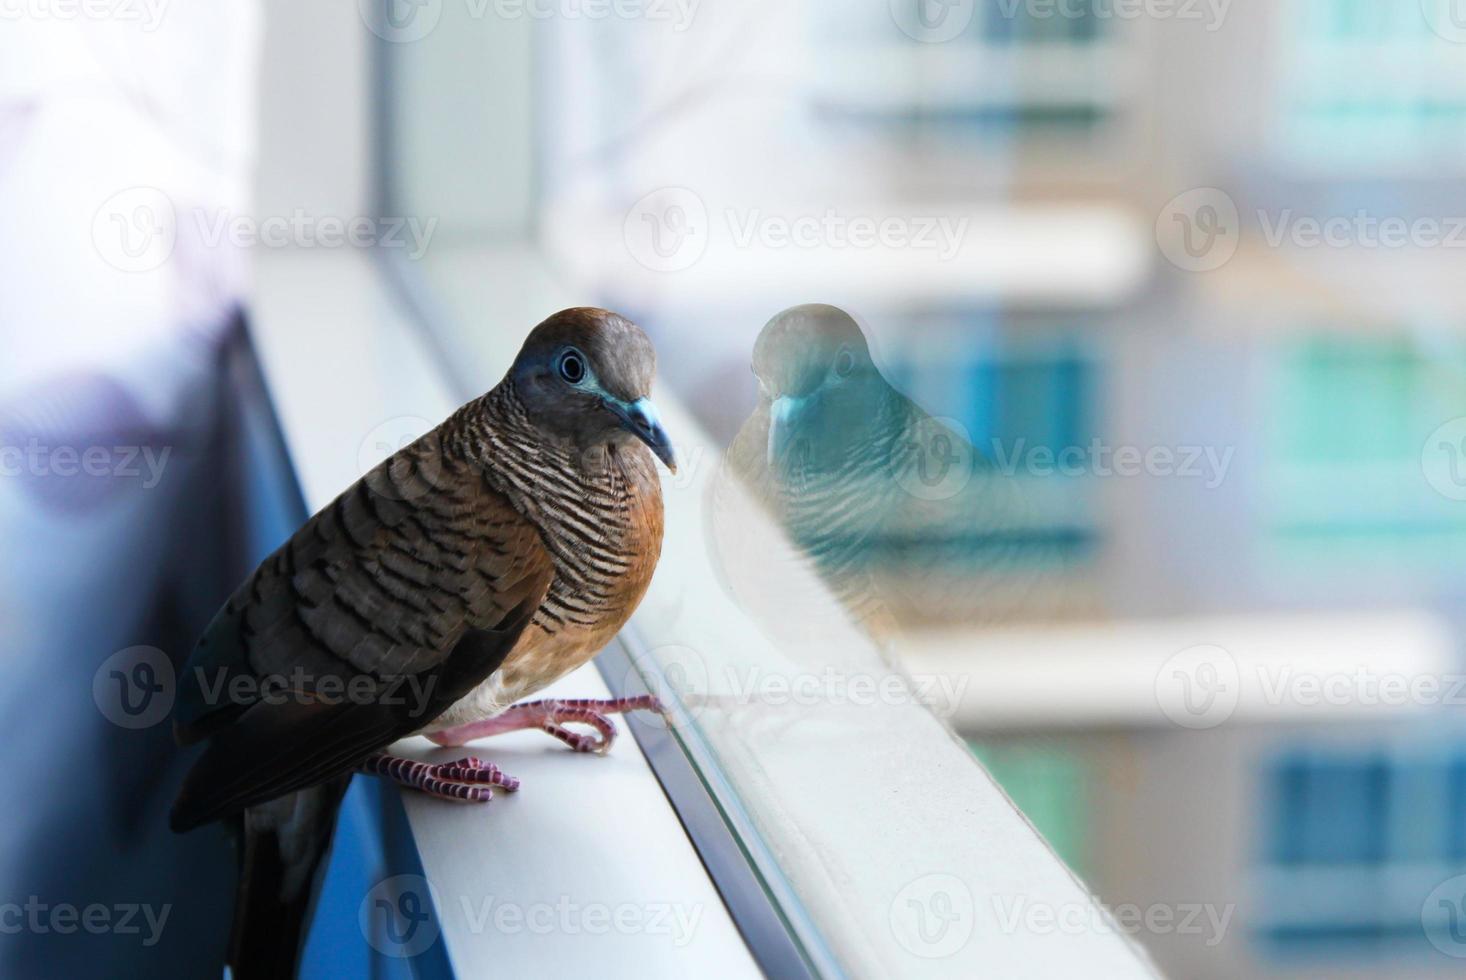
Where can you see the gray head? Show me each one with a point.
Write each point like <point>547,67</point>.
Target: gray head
<point>821,389</point>
<point>800,349</point>
<point>585,374</point>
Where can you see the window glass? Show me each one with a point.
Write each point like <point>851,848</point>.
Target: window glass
<point>1177,464</point>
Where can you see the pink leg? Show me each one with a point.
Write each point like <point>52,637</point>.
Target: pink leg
<point>471,780</point>
<point>551,717</point>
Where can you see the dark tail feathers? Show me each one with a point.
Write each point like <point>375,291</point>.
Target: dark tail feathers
<point>282,851</point>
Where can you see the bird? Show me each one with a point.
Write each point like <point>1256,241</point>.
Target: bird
<point>851,469</point>
<point>462,574</point>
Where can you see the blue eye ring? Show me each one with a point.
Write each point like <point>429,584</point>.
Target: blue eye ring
<point>571,366</point>
<point>844,362</point>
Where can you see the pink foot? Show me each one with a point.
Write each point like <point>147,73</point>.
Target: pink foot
<point>551,717</point>
<point>471,780</point>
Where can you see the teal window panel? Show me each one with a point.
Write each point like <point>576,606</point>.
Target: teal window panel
<point>1343,473</point>
<point>1357,99</point>
<point>1049,784</point>
<point>1350,401</point>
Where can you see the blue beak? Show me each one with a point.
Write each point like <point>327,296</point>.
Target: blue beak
<point>640,419</point>
<point>785,421</point>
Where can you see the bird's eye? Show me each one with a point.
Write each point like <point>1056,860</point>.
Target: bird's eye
<point>572,367</point>
<point>844,363</point>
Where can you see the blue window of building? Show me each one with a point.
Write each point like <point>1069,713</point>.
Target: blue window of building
<point>1353,843</point>
<point>1017,400</point>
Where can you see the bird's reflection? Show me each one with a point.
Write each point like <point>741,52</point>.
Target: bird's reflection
<point>853,471</point>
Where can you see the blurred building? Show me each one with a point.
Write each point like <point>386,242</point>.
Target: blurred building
<point>1323,369</point>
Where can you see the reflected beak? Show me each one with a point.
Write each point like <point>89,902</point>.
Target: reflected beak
<point>784,425</point>
<point>640,419</point>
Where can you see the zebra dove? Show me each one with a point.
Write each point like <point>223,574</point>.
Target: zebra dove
<point>468,570</point>
<point>853,472</point>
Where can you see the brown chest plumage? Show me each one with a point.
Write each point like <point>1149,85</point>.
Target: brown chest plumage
<point>599,513</point>
<point>605,543</point>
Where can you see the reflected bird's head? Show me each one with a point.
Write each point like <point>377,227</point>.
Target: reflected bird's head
<point>585,375</point>
<point>823,394</point>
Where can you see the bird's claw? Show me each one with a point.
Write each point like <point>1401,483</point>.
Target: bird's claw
<point>552,716</point>
<point>470,780</point>
<point>592,712</point>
